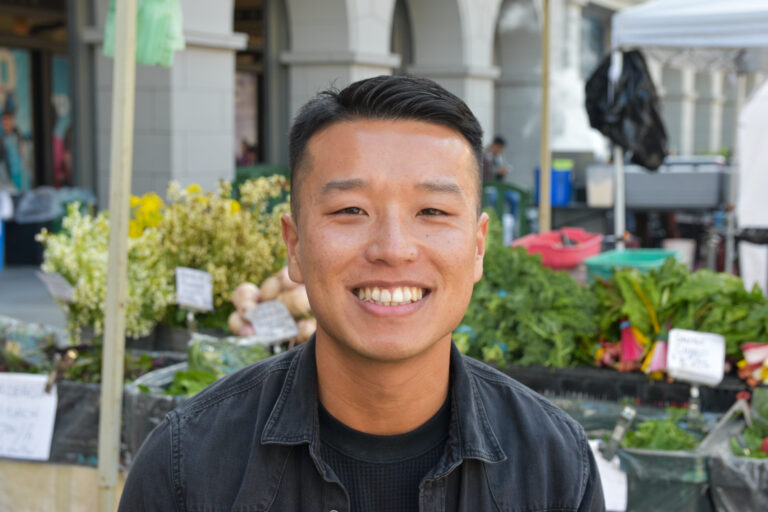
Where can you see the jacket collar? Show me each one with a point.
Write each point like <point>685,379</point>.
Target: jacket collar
<point>294,419</point>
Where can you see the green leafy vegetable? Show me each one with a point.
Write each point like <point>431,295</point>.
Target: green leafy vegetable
<point>191,382</point>
<point>662,434</point>
<point>526,313</point>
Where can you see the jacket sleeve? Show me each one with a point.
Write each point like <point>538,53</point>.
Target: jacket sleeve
<point>593,499</point>
<point>150,482</point>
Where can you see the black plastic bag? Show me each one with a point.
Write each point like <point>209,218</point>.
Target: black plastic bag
<point>631,118</point>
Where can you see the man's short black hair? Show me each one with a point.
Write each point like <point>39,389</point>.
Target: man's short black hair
<point>384,97</point>
<point>501,141</point>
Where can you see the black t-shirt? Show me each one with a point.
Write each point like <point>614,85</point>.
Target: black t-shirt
<point>383,473</point>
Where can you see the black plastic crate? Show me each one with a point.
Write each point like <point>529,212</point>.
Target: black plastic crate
<point>606,384</point>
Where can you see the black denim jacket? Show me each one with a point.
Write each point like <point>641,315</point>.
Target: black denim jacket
<point>250,443</point>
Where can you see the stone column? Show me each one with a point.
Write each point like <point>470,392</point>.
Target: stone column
<point>708,132</point>
<point>453,45</point>
<point>184,120</point>
<point>679,108</point>
<point>518,89</point>
<point>334,43</point>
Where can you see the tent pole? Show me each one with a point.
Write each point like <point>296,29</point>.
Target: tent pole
<point>545,167</point>
<point>619,208</point>
<point>121,153</point>
<point>733,182</point>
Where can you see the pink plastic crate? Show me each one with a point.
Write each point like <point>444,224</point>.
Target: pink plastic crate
<point>556,254</point>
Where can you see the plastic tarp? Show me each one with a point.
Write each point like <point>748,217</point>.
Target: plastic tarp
<point>674,481</point>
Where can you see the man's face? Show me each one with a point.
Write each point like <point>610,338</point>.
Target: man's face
<point>387,205</point>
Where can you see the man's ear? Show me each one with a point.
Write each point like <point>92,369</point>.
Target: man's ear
<point>291,239</point>
<point>482,233</point>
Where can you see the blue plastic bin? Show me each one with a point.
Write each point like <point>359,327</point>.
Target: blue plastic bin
<point>560,183</point>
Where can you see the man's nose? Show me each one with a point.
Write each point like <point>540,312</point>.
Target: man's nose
<point>391,241</point>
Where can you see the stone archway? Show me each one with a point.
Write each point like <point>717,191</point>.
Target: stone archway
<point>336,42</point>
<point>453,45</point>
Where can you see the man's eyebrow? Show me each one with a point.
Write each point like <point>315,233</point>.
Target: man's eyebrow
<point>440,186</point>
<point>350,184</point>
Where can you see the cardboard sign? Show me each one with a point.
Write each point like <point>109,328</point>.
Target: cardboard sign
<point>57,286</point>
<point>194,289</point>
<point>27,415</point>
<point>696,357</point>
<point>271,322</point>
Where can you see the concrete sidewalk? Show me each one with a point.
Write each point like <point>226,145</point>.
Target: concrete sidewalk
<point>24,297</point>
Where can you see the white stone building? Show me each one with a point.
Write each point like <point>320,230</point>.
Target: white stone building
<point>250,64</point>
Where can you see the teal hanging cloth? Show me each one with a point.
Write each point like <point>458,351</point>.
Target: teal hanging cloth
<point>159,32</point>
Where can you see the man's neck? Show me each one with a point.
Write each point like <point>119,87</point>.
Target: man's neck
<point>382,398</point>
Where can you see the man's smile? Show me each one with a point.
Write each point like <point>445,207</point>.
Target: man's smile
<point>391,295</point>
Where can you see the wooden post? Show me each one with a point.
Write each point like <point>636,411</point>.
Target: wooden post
<point>620,196</point>
<point>121,153</point>
<point>545,171</point>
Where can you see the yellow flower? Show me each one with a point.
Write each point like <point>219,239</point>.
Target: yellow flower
<point>194,189</point>
<point>134,229</point>
<point>135,201</point>
<point>234,206</point>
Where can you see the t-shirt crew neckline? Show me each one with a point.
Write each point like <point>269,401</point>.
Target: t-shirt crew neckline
<point>373,448</point>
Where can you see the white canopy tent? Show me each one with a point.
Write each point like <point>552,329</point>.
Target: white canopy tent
<point>710,34</point>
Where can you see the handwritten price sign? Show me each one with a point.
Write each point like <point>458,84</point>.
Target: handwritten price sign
<point>696,357</point>
<point>194,289</point>
<point>27,415</point>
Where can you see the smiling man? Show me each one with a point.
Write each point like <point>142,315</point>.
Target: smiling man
<point>378,411</point>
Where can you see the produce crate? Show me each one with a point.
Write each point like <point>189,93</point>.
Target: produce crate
<point>603,264</point>
<point>76,430</point>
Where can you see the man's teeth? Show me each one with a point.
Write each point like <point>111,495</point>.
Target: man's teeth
<point>391,297</point>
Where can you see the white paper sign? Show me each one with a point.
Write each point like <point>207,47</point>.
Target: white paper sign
<point>194,289</point>
<point>272,323</point>
<point>27,415</point>
<point>696,357</point>
<point>57,286</point>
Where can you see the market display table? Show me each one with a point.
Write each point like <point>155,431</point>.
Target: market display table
<point>605,384</point>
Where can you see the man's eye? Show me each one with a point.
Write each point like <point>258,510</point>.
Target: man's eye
<point>352,210</point>
<point>431,211</point>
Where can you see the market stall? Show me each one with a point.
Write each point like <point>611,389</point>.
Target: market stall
<point>708,34</point>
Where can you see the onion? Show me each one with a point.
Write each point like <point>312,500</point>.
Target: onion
<point>245,292</point>
<point>270,289</point>
<point>235,322</point>
<point>296,301</point>
<point>245,307</point>
<point>307,327</point>
<point>246,330</point>
<point>286,283</point>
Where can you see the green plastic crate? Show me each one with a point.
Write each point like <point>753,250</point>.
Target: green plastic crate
<point>603,264</point>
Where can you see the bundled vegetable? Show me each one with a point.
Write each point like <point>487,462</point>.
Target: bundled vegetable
<point>644,306</point>
<point>525,313</point>
<point>279,287</point>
